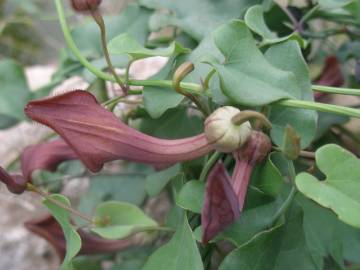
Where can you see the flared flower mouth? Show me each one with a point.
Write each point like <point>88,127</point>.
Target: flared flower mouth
<point>98,136</point>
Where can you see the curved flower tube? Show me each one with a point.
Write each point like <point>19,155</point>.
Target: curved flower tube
<point>45,156</point>
<point>48,228</point>
<point>221,207</point>
<point>252,153</point>
<point>97,136</point>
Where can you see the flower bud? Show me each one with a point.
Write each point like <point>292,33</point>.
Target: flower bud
<point>85,5</point>
<point>222,133</point>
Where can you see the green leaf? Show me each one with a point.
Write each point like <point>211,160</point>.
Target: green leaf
<point>132,20</point>
<point>156,182</point>
<point>341,190</point>
<point>191,196</point>
<point>259,254</point>
<point>14,93</point>
<point>282,247</point>
<point>73,240</point>
<point>268,177</point>
<point>254,19</point>
<point>247,77</point>
<point>117,220</point>
<point>198,18</point>
<point>129,188</point>
<point>252,222</point>
<point>163,127</point>
<point>332,4</point>
<point>181,252</point>
<point>159,100</point>
<point>287,56</point>
<point>336,239</point>
<point>126,44</point>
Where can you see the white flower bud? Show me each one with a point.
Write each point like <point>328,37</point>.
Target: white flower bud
<point>222,133</point>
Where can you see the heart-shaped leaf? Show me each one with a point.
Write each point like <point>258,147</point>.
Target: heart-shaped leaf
<point>341,190</point>
<point>247,77</point>
<point>156,182</point>
<point>117,220</point>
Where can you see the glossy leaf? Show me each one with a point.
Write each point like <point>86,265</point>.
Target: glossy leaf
<point>117,220</point>
<point>73,240</point>
<point>125,44</point>
<point>191,196</point>
<point>157,181</point>
<point>257,81</point>
<point>181,252</point>
<point>340,191</point>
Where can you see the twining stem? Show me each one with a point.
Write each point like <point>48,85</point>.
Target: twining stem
<point>209,164</point>
<point>47,196</point>
<point>247,115</point>
<point>98,18</point>
<point>182,71</point>
<point>336,90</point>
<point>305,154</point>
<point>190,87</point>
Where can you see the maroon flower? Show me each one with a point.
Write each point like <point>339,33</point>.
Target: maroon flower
<point>331,75</point>
<point>98,136</point>
<point>45,156</point>
<point>252,153</point>
<point>221,206</point>
<point>15,183</point>
<point>48,228</point>
<point>85,5</point>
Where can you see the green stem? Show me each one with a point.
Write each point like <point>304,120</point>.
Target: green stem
<point>329,108</point>
<point>209,164</point>
<point>309,14</point>
<point>336,90</point>
<point>100,22</point>
<point>59,204</point>
<point>190,87</point>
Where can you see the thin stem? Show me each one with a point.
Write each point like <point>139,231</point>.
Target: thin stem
<point>247,115</point>
<point>208,78</point>
<point>100,22</point>
<point>336,90</point>
<point>127,71</point>
<point>72,46</point>
<point>305,154</point>
<point>209,164</point>
<point>329,108</point>
<point>47,196</point>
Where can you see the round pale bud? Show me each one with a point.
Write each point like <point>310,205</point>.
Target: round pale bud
<point>222,133</point>
<point>85,5</point>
